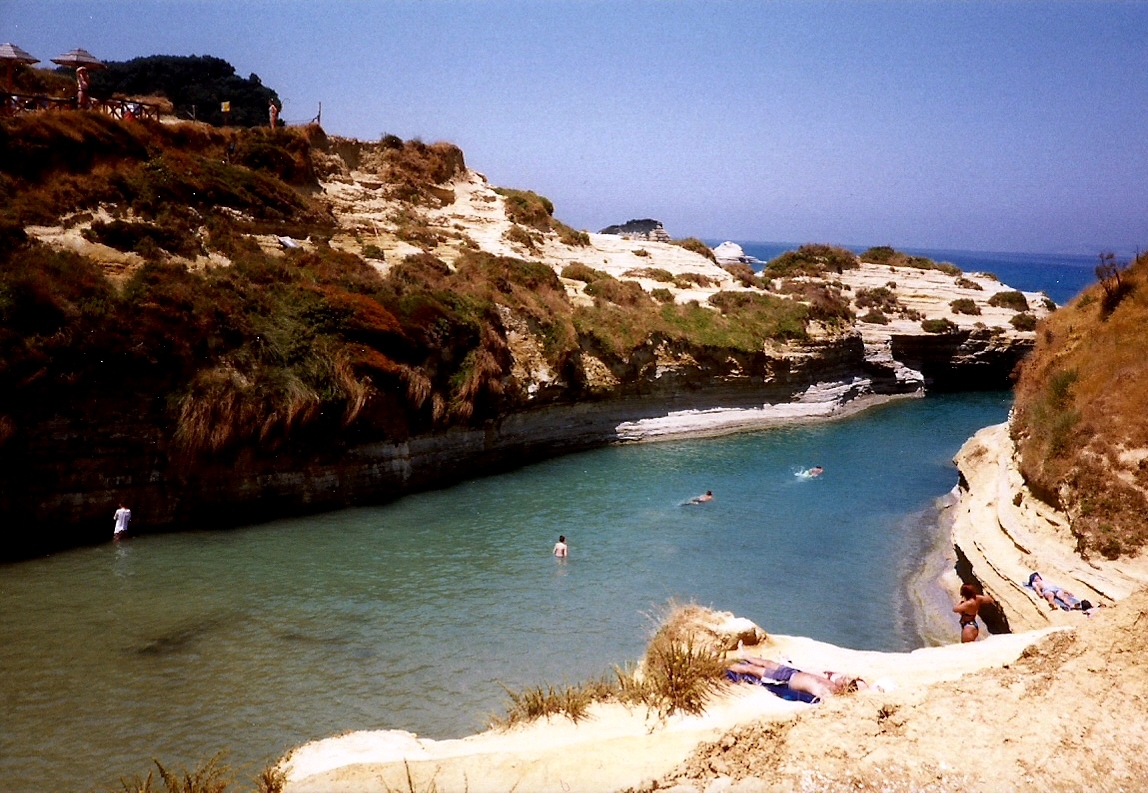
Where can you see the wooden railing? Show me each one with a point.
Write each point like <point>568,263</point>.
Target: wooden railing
<point>124,109</point>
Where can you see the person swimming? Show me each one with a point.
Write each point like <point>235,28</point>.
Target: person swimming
<point>809,473</point>
<point>703,498</point>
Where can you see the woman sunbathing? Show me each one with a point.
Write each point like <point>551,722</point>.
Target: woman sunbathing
<point>1056,596</point>
<point>817,686</point>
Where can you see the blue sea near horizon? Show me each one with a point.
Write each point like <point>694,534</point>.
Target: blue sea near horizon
<point>1060,276</point>
<point>412,615</point>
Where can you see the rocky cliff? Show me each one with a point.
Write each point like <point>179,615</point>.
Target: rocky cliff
<point>391,323</point>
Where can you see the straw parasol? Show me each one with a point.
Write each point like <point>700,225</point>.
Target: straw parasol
<point>77,58</point>
<point>12,56</point>
<point>82,61</point>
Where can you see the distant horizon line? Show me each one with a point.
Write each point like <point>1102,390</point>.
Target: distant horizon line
<point>1075,251</point>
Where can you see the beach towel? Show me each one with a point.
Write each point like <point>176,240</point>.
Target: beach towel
<point>775,688</point>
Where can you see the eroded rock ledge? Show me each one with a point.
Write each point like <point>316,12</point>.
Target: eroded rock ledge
<point>1004,534</point>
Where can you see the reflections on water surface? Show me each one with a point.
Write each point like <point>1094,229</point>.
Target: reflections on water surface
<point>413,615</point>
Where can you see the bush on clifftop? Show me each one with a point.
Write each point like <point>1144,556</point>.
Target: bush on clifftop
<point>1079,420</point>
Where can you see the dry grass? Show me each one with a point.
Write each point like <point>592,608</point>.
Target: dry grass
<point>212,777</point>
<point>1080,422</point>
<point>680,672</point>
<point>883,254</point>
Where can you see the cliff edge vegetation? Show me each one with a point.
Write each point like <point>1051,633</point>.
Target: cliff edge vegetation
<point>1080,424</point>
<point>195,317</point>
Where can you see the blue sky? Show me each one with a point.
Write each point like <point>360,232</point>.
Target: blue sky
<point>979,125</point>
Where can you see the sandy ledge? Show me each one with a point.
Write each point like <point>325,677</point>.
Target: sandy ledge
<point>951,719</point>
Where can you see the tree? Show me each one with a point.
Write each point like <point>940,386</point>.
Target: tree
<point>197,85</point>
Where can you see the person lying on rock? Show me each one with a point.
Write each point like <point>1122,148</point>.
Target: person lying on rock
<point>819,686</point>
<point>1056,596</point>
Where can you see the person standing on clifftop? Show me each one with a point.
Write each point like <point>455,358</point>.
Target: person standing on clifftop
<point>560,549</point>
<point>82,83</point>
<point>122,516</point>
<point>968,608</point>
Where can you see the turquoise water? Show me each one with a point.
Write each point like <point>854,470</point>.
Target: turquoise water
<point>413,615</point>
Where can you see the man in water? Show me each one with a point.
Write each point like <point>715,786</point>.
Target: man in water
<point>560,549</point>
<point>122,516</point>
<point>707,496</point>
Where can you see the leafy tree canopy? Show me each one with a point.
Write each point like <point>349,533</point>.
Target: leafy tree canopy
<point>196,84</point>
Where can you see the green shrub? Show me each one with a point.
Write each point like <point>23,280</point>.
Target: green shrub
<point>622,293</point>
<point>1009,299</point>
<point>878,297</point>
<point>642,252</point>
<point>582,272</point>
<point>742,272</point>
<point>965,283</point>
<point>125,236</point>
<point>662,295</point>
<point>569,236</point>
<point>826,304</point>
<point>412,227</point>
<point>527,208</point>
<point>965,305</point>
<point>653,273</point>
<point>875,317</point>
<point>687,280</point>
<point>1023,321</point>
<point>521,236</point>
<point>883,254</point>
<point>938,326</point>
<point>372,251</point>
<point>697,246</point>
<point>812,260</point>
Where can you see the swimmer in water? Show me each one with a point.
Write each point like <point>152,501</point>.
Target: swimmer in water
<point>707,496</point>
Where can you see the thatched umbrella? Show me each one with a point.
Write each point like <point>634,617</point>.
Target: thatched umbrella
<point>77,58</point>
<point>81,61</point>
<point>13,56</point>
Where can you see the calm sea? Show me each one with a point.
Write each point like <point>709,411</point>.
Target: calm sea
<point>1060,276</point>
<point>414,614</point>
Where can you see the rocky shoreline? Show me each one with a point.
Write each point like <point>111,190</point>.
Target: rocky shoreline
<point>1000,537</point>
<point>75,467</point>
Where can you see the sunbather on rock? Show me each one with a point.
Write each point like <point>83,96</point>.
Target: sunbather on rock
<point>1055,595</point>
<point>816,685</point>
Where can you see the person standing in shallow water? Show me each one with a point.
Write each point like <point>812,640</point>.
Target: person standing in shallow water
<point>122,516</point>
<point>968,609</point>
<point>560,549</point>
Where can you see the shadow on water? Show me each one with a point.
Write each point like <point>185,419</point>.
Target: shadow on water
<point>182,638</point>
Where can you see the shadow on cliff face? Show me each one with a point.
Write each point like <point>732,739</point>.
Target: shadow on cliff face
<point>993,616</point>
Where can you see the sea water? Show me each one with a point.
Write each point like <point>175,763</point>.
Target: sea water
<point>1060,276</point>
<point>415,614</point>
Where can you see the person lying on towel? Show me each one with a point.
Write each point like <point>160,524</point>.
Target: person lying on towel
<point>817,686</point>
<point>1056,596</point>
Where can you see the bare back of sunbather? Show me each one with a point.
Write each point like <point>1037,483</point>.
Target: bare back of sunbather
<point>820,686</point>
